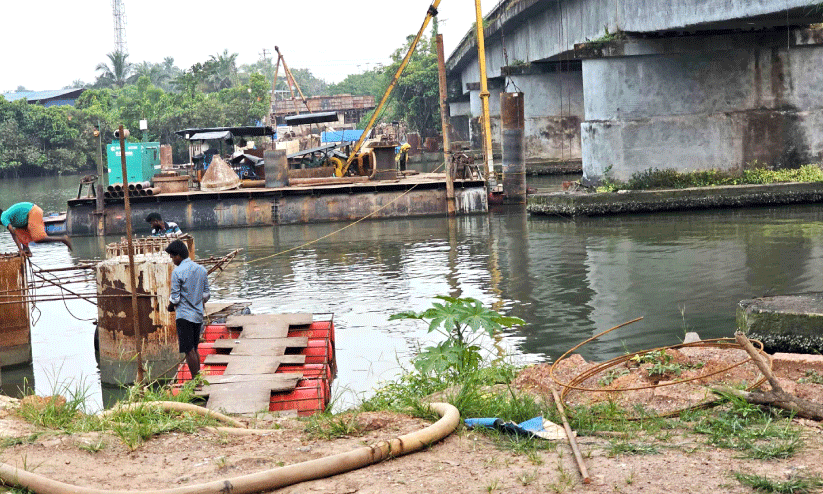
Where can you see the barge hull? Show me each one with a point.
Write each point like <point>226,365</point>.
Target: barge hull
<point>197,210</point>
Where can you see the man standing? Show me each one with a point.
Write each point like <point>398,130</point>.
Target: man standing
<point>160,228</point>
<point>189,293</point>
<point>24,221</point>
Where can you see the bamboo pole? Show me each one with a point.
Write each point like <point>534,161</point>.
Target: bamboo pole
<point>572,441</point>
<point>445,124</point>
<point>133,275</point>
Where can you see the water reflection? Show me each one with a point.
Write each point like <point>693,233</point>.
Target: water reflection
<point>569,279</point>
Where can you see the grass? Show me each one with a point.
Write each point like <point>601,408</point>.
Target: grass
<point>328,426</point>
<point>673,179</point>
<point>811,377</point>
<point>132,426</point>
<point>751,430</point>
<point>794,485</point>
<point>617,448</point>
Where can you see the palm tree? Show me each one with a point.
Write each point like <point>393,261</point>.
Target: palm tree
<point>153,71</point>
<point>221,70</point>
<point>118,73</point>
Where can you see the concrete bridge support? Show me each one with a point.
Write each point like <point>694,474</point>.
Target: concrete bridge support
<point>553,106</point>
<point>723,101</point>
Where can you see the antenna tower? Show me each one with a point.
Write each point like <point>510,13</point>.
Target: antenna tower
<point>119,13</point>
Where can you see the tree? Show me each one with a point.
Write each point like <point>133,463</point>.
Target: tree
<point>221,71</point>
<point>417,91</point>
<point>371,82</point>
<point>155,72</point>
<point>117,72</point>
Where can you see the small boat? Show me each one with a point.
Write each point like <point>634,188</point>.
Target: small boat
<point>55,223</point>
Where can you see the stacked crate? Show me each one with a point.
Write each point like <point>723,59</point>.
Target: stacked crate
<point>312,392</point>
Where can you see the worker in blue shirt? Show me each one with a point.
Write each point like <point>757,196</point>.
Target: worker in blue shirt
<point>189,294</point>
<point>160,228</point>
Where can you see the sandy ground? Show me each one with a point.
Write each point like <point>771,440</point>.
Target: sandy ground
<point>466,461</point>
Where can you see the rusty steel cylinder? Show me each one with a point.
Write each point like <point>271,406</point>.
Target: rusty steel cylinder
<point>117,342</point>
<point>514,162</point>
<point>14,323</point>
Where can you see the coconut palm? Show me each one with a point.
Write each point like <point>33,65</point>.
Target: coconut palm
<point>116,74</point>
<point>221,70</point>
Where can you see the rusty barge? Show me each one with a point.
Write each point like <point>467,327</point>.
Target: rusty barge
<point>417,195</point>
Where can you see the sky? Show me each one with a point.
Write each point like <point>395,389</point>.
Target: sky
<point>49,44</point>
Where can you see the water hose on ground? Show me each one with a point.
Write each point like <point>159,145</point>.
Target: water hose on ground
<point>176,406</point>
<point>268,479</point>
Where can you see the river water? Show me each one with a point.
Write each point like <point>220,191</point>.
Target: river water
<point>568,279</point>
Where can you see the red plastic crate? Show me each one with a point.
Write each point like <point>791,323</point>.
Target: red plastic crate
<point>310,371</point>
<point>309,397</point>
<point>320,329</point>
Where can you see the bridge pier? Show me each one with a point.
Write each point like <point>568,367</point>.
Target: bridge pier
<point>711,101</point>
<point>553,112</point>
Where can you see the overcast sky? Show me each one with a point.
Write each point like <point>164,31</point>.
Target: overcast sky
<point>48,44</point>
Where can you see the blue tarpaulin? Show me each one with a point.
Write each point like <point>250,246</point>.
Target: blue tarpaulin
<point>341,136</point>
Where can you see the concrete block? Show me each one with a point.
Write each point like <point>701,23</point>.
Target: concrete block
<point>788,323</point>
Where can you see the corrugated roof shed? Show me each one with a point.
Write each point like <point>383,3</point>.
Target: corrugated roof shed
<point>64,96</point>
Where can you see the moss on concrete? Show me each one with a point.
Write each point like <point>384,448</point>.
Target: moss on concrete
<point>790,323</point>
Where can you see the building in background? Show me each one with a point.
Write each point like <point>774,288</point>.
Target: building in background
<point>57,97</point>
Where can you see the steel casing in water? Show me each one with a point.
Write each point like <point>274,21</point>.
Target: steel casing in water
<point>14,323</point>
<point>118,345</point>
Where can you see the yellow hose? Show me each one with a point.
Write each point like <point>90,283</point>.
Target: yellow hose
<point>176,406</point>
<point>267,479</point>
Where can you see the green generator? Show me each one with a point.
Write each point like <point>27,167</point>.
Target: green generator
<point>142,161</point>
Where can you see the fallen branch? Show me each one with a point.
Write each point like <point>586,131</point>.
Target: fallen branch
<point>776,397</point>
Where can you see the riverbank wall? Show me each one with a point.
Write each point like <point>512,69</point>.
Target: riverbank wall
<point>649,201</point>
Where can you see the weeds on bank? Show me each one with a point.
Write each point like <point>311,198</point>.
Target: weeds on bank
<point>328,426</point>
<point>794,485</point>
<point>132,426</point>
<point>811,377</point>
<point>672,179</point>
<point>742,426</point>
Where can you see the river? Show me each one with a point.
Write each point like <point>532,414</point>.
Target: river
<point>568,279</point>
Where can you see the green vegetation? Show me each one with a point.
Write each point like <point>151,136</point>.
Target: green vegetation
<point>35,140</point>
<point>811,377</point>
<point>132,426</point>
<point>794,485</point>
<point>672,179</point>
<point>751,430</point>
<point>661,363</point>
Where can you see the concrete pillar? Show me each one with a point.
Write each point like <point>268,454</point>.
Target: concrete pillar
<point>727,102</point>
<point>514,164</point>
<point>277,167</point>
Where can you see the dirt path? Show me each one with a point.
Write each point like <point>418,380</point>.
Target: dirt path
<point>677,460</point>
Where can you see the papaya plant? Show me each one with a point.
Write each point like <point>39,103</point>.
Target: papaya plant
<point>464,322</point>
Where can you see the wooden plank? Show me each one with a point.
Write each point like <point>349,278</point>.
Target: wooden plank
<point>277,329</point>
<point>262,346</point>
<point>216,358</point>
<point>297,319</point>
<point>274,380</point>
<point>240,400</point>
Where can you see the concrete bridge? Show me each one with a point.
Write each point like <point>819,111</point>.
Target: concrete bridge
<point>621,86</point>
